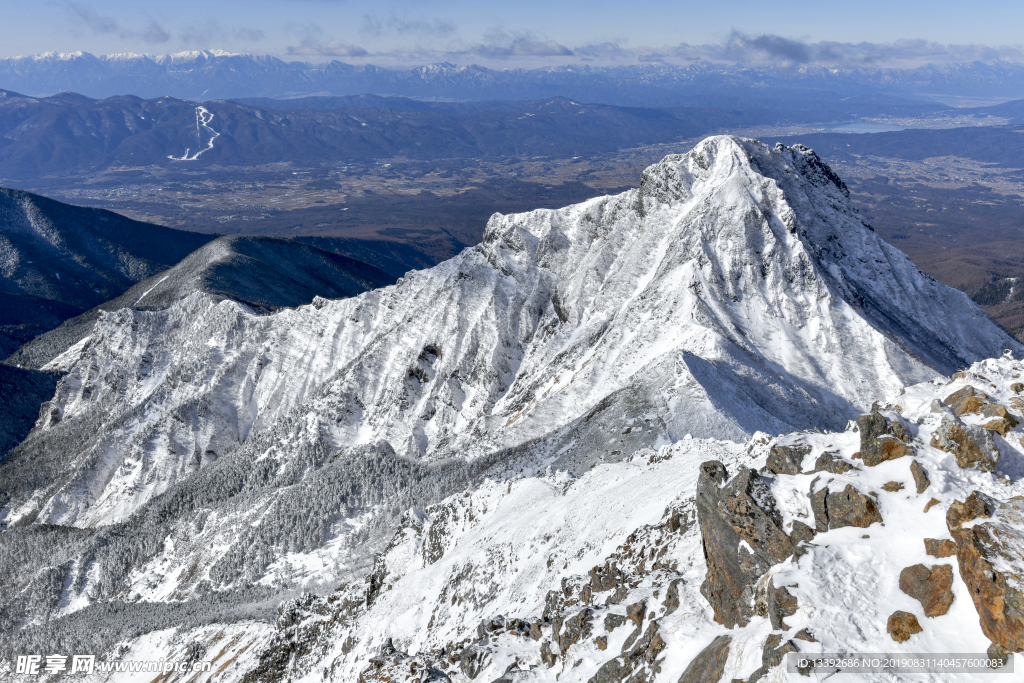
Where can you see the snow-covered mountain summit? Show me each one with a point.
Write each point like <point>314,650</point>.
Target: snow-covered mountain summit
<point>736,290</point>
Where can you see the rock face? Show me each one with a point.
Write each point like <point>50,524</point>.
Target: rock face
<point>742,535</point>
<point>902,625</point>
<point>973,447</point>
<point>882,439</point>
<point>991,558</point>
<point>709,665</point>
<point>930,586</point>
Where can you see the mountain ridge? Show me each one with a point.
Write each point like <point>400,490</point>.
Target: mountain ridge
<point>205,450</point>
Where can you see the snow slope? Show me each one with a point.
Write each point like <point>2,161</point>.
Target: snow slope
<point>482,581</point>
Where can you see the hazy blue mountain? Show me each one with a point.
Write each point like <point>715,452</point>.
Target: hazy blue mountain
<point>218,74</point>
<point>72,133</point>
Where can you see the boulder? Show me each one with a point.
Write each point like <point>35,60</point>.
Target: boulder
<point>613,621</point>
<point>990,554</point>
<point>921,480</point>
<point>1000,412</point>
<point>849,507</point>
<point>966,401</point>
<point>784,459</point>
<point>709,665</point>
<point>973,447</point>
<point>831,462</point>
<point>636,612</point>
<point>881,439</point>
<point>931,586</point>
<point>742,536</point>
<point>902,625</point>
<point>937,548</point>
<point>999,425</point>
<point>892,486</point>
<point>1017,387</point>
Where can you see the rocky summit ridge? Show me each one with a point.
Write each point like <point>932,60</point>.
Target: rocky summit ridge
<point>206,459</point>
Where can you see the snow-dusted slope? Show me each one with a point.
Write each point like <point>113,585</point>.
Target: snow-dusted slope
<point>736,290</point>
<point>557,578</point>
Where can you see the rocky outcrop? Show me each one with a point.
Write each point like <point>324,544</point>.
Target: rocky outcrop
<point>882,439</point>
<point>742,537</point>
<point>931,586</point>
<point>640,663</point>
<point>709,665</point>
<point>991,558</point>
<point>849,507</point>
<point>973,447</point>
<point>902,625</point>
<point>568,632</point>
<point>777,604</point>
<point>787,459</point>
<point>395,666</point>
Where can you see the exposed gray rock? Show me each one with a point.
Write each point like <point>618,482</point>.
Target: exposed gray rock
<point>787,459</point>
<point>709,665</point>
<point>740,512</point>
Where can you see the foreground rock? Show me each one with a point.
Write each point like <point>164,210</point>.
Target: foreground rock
<point>742,535</point>
<point>930,586</point>
<point>991,558</point>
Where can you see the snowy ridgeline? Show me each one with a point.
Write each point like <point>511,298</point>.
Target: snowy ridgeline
<point>201,463</point>
<point>626,572</point>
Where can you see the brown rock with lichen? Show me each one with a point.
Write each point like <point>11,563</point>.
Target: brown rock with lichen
<point>1000,425</point>
<point>709,665</point>
<point>966,401</point>
<point>991,559</point>
<point>850,507</point>
<point>783,459</point>
<point>902,625</point>
<point>937,548</point>
<point>742,536</point>
<point>973,447</point>
<point>931,586</point>
<point>998,410</point>
<point>1017,387</point>
<point>921,480</point>
<point>881,439</point>
<point>892,486</point>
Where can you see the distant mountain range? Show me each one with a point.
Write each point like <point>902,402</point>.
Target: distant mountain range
<point>219,74</point>
<point>71,133</point>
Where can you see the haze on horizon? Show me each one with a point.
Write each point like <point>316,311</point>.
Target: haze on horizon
<point>530,33</point>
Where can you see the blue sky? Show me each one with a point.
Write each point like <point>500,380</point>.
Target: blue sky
<point>527,32</point>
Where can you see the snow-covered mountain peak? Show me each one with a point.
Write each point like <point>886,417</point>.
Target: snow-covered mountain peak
<point>736,290</point>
